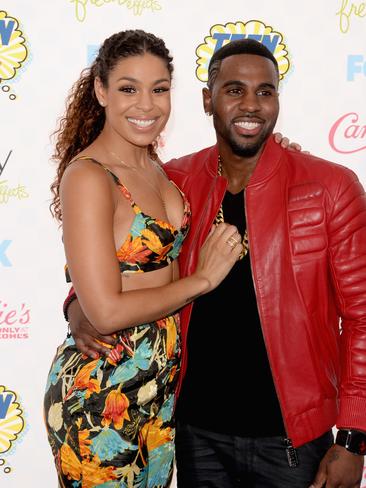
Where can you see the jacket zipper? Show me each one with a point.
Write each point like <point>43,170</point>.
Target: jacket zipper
<point>290,449</point>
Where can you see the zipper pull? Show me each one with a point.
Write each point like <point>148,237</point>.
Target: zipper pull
<point>291,453</point>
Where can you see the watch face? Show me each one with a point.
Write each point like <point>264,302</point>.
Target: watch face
<point>362,447</point>
<point>357,442</point>
<point>353,440</point>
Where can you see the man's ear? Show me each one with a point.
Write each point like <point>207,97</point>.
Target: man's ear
<point>100,92</point>
<point>207,101</point>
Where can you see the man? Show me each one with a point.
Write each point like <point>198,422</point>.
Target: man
<point>268,371</point>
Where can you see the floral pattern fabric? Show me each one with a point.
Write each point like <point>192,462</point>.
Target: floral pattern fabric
<point>109,420</point>
<point>151,243</point>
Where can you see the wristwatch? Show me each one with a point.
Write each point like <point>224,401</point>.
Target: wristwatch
<point>353,440</point>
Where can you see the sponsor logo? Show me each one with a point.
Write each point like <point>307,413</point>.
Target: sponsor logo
<point>92,52</point>
<point>12,425</point>
<point>137,7</point>
<point>4,260</point>
<point>348,135</point>
<point>253,29</point>
<point>13,51</point>
<point>7,190</point>
<point>14,321</point>
<point>356,65</point>
<point>348,11</point>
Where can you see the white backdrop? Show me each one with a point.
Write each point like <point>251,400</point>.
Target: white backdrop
<point>43,47</point>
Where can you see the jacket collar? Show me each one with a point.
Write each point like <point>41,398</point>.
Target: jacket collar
<point>267,163</point>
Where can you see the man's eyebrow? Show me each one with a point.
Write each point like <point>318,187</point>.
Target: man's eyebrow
<point>233,82</point>
<point>241,83</point>
<point>267,85</point>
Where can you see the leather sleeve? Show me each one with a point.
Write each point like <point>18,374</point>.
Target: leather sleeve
<point>347,246</point>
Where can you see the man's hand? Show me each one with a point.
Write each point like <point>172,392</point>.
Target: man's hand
<point>87,339</point>
<point>285,142</point>
<point>339,469</point>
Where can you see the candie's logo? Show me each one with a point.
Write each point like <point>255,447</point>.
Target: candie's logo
<point>11,424</point>
<point>14,321</point>
<point>253,29</point>
<point>13,52</point>
<point>348,135</point>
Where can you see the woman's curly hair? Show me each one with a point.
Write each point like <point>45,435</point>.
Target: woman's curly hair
<point>84,117</point>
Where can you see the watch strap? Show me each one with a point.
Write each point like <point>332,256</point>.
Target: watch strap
<point>352,440</point>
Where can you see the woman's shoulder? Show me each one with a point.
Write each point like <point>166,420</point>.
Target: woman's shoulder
<point>85,172</point>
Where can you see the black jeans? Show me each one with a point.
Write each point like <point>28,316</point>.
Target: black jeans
<point>209,460</point>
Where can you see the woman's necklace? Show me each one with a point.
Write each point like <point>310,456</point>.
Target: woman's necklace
<point>220,218</point>
<point>137,171</point>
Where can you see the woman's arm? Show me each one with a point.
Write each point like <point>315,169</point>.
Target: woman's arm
<point>88,209</point>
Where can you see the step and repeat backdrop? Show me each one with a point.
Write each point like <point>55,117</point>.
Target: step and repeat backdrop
<point>320,47</point>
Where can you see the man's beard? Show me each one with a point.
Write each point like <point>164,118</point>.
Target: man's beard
<point>247,150</point>
<point>244,149</point>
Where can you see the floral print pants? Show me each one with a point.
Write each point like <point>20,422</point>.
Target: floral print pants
<point>109,420</point>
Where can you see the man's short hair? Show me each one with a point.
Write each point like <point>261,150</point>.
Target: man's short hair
<point>241,46</point>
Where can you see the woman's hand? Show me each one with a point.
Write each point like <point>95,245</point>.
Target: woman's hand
<point>87,339</point>
<point>285,143</point>
<point>219,253</point>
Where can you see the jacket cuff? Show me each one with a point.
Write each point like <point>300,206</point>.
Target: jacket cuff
<point>352,413</point>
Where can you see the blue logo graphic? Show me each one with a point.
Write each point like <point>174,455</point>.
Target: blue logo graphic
<point>5,401</point>
<point>3,257</point>
<point>269,41</point>
<point>92,52</point>
<point>356,66</point>
<point>6,30</point>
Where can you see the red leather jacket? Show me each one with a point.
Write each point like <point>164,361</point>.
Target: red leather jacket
<point>306,221</point>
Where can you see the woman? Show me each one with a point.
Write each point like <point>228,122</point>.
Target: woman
<point>109,420</point>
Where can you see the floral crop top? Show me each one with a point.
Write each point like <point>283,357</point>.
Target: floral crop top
<point>151,243</point>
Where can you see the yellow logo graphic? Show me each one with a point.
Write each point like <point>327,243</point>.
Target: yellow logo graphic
<point>348,11</point>
<point>13,52</point>
<point>253,29</point>
<point>11,422</point>
<point>137,7</point>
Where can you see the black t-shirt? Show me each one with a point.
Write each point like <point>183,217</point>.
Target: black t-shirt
<point>228,386</point>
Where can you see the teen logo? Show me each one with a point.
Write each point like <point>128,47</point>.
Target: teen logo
<point>13,51</point>
<point>11,424</point>
<point>348,134</point>
<point>137,7</point>
<point>14,321</point>
<point>356,66</point>
<point>7,190</point>
<point>349,11</point>
<point>253,29</point>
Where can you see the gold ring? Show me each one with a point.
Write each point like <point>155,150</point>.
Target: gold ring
<point>232,241</point>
